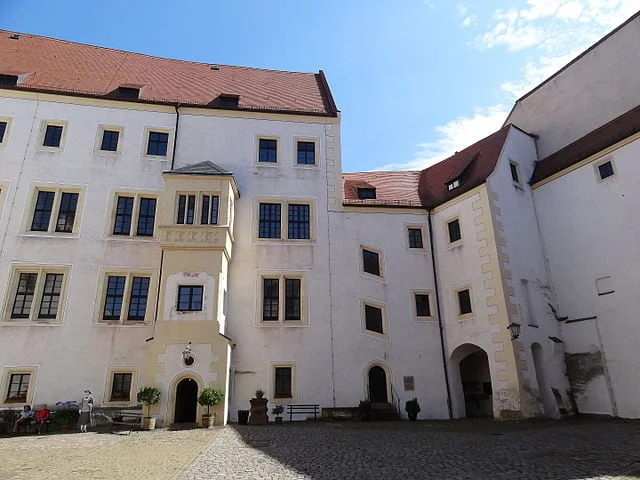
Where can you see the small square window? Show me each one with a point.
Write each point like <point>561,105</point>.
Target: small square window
<point>453,228</point>
<point>268,151</point>
<point>52,136</point>
<point>415,238</point>
<point>366,193</point>
<point>121,387</point>
<point>371,262</point>
<point>157,144</point>
<point>373,319</point>
<point>110,140</point>
<point>283,382</point>
<point>464,302</point>
<point>3,129</point>
<point>605,170</point>
<point>514,172</point>
<point>190,298</point>
<point>423,307</point>
<point>306,153</point>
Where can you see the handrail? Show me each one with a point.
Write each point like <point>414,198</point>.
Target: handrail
<point>397,404</point>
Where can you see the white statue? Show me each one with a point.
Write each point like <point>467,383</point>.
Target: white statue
<point>86,406</point>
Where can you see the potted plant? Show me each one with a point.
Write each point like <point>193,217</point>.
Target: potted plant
<point>277,411</point>
<point>412,407</point>
<point>259,393</point>
<point>149,396</point>
<point>210,397</point>
<point>364,409</point>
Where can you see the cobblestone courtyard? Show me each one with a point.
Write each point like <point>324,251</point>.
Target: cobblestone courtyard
<point>568,450</point>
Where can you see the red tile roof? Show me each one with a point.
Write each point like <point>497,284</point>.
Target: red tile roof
<point>394,189</point>
<point>616,130</point>
<point>428,188</point>
<point>472,166</point>
<point>50,65</point>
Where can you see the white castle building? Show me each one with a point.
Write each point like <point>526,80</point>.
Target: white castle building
<point>151,206</point>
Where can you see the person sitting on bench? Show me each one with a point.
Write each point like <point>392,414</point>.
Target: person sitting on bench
<point>42,415</point>
<point>26,417</point>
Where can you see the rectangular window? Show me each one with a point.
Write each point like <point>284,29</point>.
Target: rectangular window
<point>190,298</point>
<point>415,238</point>
<point>209,211</point>
<point>114,297</point>
<point>514,172</point>
<point>157,144</point>
<point>605,170</point>
<point>186,209</point>
<point>36,293</point>
<point>24,295</point>
<point>138,298</point>
<point>464,302</point>
<point>306,153</point>
<point>52,136</point>
<point>453,228</point>
<point>3,130</point>
<point>67,212</point>
<point>269,221</point>
<point>268,151</point>
<point>366,193</point>
<point>50,296</point>
<point>124,214</point>
<point>299,222</point>
<point>423,307</point>
<point>42,212</point>
<point>270,299</point>
<point>110,140</point>
<point>146,217</point>
<point>283,379</point>
<point>18,388</point>
<point>292,299</point>
<point>373,319</point>
<point>121,387</point>
<point>453,184</point>
<point>371,262</point>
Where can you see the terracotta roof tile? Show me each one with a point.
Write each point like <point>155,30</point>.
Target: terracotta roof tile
<point>398,189</point>
<point>472,166</point>
<point>66,67</point>
<point>617,129</point>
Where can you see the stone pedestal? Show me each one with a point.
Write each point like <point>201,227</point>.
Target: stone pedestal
<point>258,412</point>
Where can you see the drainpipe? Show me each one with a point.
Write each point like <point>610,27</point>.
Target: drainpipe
<point>440,327</point>
<point>175,135</point>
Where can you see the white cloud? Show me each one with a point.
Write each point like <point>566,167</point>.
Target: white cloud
<point>463,11</point>
<point>469,20</point>
<point>454,136</point>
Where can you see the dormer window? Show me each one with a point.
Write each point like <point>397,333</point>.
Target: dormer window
<point>128,92</point>
<point>8,80</point>
<point>228,101</point>
<point>366,193</point>
<point>453,184</point>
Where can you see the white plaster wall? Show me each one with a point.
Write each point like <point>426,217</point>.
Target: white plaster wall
<point>594,90</point>
<point>590,230</point>
<point>524,249</point>
<point>412,347</point>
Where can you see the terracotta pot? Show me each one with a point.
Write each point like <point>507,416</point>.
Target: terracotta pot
<point>278,420</point>
<point>148,423</point>
<point>208,420</point>
<point>413,416</point>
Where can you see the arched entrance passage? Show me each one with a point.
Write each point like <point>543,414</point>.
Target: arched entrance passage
<point>378,385</point>
<point>472,390</point>
<point>186,401</point>
<point>544,389</point>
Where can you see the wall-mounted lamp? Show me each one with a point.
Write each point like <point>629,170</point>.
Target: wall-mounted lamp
<point>514,329</point>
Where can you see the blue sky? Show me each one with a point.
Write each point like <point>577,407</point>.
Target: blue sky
<point>415,79</point>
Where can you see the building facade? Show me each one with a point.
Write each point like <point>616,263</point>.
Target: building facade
<point>185,225</point>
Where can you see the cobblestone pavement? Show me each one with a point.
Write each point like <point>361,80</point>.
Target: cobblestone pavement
<point>159,454</point>
<point>567,450</point>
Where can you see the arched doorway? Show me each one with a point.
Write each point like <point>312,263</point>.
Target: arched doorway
<point>186,401</point>
<point>378,385</point>
<point>472,377</point>
<point>544,390</point>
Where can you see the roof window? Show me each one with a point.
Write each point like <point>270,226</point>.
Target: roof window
<point>128,92</point>
<point>8,80</point>
<point>366,193</point>
<point>228,101</point>
<point>455,183</point>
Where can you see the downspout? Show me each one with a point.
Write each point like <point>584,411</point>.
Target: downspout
<point>440,327</point>
<point>175,135</point>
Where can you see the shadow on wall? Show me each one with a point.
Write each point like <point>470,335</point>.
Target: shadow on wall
<point>470,448</point>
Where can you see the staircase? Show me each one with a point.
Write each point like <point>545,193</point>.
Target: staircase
<point>384,412</point>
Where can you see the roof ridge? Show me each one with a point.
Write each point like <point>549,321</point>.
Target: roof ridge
<point>129,52</point>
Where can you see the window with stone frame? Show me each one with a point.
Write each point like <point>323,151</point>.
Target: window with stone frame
<point>18,388</point>
<point>283,376</point>
<point>37,294</point>
<point>121,387</point>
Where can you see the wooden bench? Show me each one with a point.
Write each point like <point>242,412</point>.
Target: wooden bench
<point>131,419</point>
<point>303,410</point>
